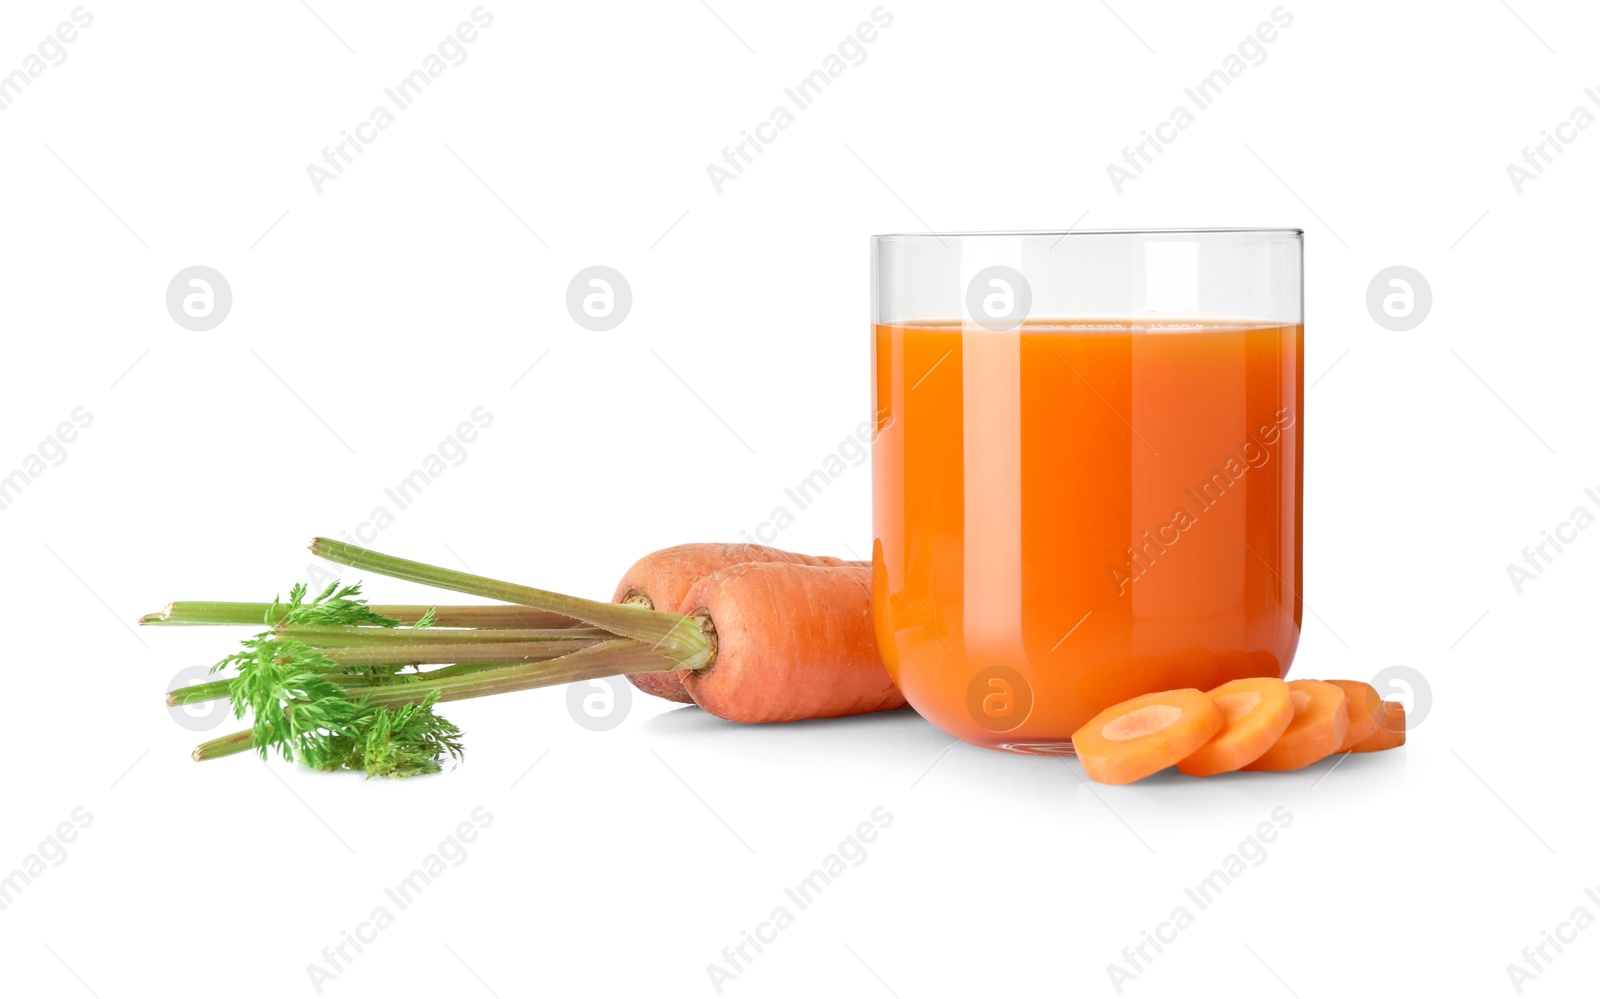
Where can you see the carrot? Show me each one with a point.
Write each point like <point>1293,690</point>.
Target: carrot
<point>761,641</point>
<point>1256,711</point>
<point>1318,729</point>
<point>1391,730</point>
<point>660,580</point>
<point>791,641</point>
<point>1138,737</point>
<point>1365,708</point>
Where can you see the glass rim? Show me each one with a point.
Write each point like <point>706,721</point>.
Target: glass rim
<point>1263,233</point>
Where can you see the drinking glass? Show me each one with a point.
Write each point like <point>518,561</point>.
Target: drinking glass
<point>1087,470</point>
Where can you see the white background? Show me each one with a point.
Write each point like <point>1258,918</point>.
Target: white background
<point>370,319</point>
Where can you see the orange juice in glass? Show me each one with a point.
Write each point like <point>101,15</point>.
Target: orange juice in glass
<point>1086,479</point>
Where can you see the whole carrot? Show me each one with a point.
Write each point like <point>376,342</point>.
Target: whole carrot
<point>336,684</point>
<point>660,580</point>
<point>793,641</point>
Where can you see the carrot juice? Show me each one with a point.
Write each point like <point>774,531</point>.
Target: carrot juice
<point>1071,513</point>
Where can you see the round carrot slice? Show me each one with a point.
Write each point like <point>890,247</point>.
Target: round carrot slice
<point>1391,730</point>
<point>1255,712</point>
<point>1365,708</point>
<point>1317,730</point>
<point>1138,737</point>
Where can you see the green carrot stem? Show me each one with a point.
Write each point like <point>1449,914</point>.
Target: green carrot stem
<point>223,612</point>
<point>671,634</point>
<point>612,658</point>
<point>356,683</point>
<point>324,636</point>
<point>197,693</point>
<point>423,676</point>
<point>605,659</point>
<point>228,745</point>
<point>482,652</point>
<point>210,612</point>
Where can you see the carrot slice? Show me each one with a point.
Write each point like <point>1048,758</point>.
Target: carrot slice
<point>1364,706</point>
<point>1391,730</point>
<point>1318,729</point>
<point>1256,711</point>
<point>1138,737</point>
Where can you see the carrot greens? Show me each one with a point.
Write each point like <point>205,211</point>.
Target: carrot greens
<point>336,683</point>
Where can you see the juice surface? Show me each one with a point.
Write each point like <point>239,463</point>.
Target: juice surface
<point>1078,512</point>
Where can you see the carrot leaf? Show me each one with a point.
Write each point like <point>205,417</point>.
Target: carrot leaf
<point>300,710</point>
